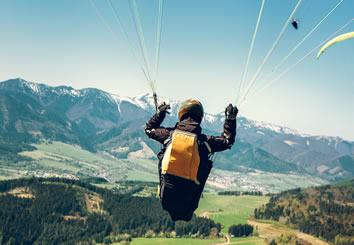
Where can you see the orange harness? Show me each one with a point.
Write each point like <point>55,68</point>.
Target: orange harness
<point>182,157</point>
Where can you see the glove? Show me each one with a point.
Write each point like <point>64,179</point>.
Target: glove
<point>231,112</point>
<point>163,108</point>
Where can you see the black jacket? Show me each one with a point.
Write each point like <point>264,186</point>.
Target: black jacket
<point>180,197</point>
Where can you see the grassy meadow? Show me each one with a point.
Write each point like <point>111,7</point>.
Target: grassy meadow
<point>248,241</point>
<point>58,158</point>
<point>174,241</point>
<point>270,230</point>
<point>229,210</point>
<point>192,241</point>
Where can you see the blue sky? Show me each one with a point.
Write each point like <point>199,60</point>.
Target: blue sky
<point>204,48</point>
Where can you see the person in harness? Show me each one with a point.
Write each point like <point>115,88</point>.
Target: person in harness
<point>185,158</point>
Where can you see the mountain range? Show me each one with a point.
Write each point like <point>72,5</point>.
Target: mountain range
<point>99,121</point>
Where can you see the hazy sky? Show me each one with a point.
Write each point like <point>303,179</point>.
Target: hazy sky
<point>204,48</point>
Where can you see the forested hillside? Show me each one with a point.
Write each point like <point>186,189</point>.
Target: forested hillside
<point>64,211</point>
<point>326,211</point>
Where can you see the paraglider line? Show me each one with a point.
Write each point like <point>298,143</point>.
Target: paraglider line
<point>127,38</point>
<point>270,51</point>
<point>103,20</point>
<point>158,40</point>
<point>114,35</point>
<point>298,8</point>
<point>303,40</point>
<point>301,59</point>
<point>140,34</point>
<point>154,95</point>
<point>250,52</point>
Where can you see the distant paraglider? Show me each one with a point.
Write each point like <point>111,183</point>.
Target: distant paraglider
<point>335,40</point>
<point>295,23</point>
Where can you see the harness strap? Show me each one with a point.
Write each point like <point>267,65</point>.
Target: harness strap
<point>207,146</point>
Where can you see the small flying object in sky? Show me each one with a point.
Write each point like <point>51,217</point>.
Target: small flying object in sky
<point>295,23</point>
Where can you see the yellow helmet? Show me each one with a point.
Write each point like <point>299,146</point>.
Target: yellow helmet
<point>192,107</point>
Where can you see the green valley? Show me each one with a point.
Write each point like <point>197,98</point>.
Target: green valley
<point>53,158</point>
<point>69,210</point>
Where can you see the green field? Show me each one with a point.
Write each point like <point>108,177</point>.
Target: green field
<point>174,241</point>
<point>57,158</point>
<point>144,170</point>
<point>248,240</point>
<point>61,159</point>
<point>191,241</point>
<point>229,210</point>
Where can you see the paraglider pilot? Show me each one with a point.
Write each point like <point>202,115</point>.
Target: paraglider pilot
<point>295,23</point>
<point>184,161</point>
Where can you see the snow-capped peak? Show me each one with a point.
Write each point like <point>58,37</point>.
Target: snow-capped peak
<point>260,125</point>
<point>146,102</point>
<point>34,87</point>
